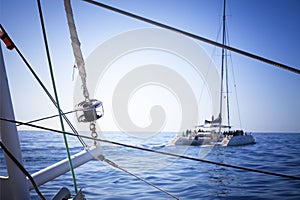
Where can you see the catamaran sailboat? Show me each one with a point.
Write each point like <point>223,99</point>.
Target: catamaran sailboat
<point>213,129</point>
<point>202,135</point>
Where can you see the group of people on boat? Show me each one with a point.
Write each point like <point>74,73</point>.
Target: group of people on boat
<point>234,133</point>
<point>189,133</point>
<point>193,133</point>
<point>198,134</point>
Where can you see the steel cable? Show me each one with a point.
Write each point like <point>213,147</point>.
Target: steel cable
<point>55,93</point>
<point>191,35</point>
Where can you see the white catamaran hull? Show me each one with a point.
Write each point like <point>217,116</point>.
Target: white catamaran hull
<point>196,139</point>
<point>182,140</point>
<point>238,140</point>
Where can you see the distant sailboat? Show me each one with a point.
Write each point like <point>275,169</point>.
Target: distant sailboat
<point>212,130</point>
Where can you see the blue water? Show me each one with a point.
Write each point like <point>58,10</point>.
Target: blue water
<point>186,179</point>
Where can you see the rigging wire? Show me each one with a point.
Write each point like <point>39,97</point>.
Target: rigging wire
<point>141,179</point>
<point>156,151</point>
<point>55,93</point>
<point>49,117</point>
<point>256,57</point>
<point>20,166</point>
<point>209,67</point>
<point>234,84</point>
<point>46,90</point>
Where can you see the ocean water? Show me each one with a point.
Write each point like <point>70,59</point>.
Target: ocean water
<point>186,179</point>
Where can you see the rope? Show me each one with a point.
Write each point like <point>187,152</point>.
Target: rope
<point>158,152</point>
<point>56,95</point>
<point>141,179</point>
<point>256,57</point>
<point>23,170</point>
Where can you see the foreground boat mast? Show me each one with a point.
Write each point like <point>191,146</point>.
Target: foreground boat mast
<point>15,185</point>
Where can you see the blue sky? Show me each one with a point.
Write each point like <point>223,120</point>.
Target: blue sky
<point>269,97</point>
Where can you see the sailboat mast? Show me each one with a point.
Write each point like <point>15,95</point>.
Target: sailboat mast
<point>15,185</point>
<point>224,67</point>
<point>224,57</point>
<point>222,64</point>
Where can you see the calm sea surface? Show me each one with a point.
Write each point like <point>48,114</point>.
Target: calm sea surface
<point>186,179</point>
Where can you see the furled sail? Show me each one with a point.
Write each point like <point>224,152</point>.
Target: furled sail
<point>76,48</point>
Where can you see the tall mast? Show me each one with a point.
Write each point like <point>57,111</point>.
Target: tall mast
<point>224,57</point>
<point>224,66</point>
